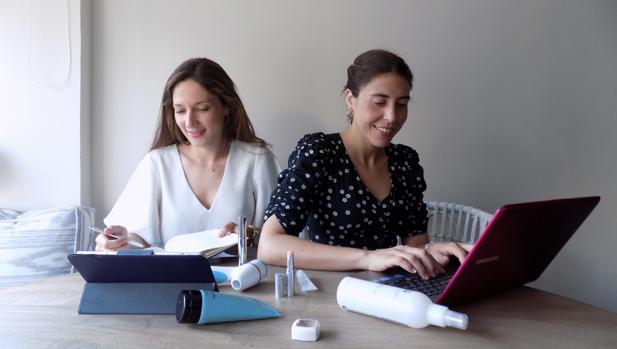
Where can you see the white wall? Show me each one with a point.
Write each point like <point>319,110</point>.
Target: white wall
<point>40,94</point>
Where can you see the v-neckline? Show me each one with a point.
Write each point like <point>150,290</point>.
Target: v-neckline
<point>357,174</point>
<point>218,190</point>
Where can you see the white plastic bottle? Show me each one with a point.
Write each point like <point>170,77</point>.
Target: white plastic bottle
<point>248,275</point>
<point>395,304</point>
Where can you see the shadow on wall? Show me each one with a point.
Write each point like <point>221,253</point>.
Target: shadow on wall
<point>6,174</point>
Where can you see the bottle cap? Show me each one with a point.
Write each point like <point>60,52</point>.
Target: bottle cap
<point>306,330</point>
<point>280,285</point>
<point>455,319</point>
<point>188,306</point>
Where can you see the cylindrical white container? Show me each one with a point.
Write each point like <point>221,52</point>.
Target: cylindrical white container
<point>291,283</point>
<point>248,275</point>
<point>395,304</point>
<point>280,285</point>
<point>242,250</point>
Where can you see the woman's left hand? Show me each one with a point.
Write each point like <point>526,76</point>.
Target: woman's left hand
<point>442,251</point>
<point>227,229</point>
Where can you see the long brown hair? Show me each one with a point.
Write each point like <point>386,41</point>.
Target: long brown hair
<point>211,76</point>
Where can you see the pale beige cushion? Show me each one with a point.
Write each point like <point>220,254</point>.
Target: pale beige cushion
<point>35,244</point>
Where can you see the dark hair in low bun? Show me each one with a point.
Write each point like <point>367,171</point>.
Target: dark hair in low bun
<point>372,63</point>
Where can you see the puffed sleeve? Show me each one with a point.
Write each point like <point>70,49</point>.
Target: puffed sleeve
<point>416,185</point>
<point>298,185</point>
<point>137,208</point>
<point>265,174</point>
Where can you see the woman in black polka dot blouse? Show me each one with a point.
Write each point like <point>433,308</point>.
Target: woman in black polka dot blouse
<point>357,196</point>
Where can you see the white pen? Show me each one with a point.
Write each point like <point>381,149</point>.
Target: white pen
<point>130,241</point>
<point>290,273</point>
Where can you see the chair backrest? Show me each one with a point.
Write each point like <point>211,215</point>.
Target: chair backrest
<point>455,222</point>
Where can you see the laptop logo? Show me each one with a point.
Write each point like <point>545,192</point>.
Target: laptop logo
<point>487,260</point>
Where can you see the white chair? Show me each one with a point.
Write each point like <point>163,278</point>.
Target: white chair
<point>455,222</point>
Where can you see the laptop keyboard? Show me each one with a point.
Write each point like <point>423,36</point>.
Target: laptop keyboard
<point>414,282</point>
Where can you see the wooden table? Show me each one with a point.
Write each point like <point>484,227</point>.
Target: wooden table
<point>44,315</point>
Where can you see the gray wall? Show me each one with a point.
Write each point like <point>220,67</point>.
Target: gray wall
<point>514,100</point>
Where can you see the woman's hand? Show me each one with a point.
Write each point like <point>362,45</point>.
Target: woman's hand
<point>227,229</point>
<point>441,251</point>
<point>106,242</point>
<point>412,259</point>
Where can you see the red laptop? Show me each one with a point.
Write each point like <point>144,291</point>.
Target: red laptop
<point>517,245</point>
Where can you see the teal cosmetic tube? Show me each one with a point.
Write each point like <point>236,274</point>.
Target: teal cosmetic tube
<point>207,307</point>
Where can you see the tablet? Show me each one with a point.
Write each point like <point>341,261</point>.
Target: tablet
<point>142,268</point>
<point>138,283</point>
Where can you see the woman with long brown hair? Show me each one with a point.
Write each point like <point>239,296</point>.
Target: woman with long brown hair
<point>205,167</point>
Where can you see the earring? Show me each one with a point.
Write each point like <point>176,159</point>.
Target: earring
<point>349,115</point>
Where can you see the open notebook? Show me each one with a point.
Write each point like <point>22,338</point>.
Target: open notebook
<point>206,242</point>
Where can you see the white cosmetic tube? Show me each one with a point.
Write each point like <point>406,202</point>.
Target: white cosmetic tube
<point>248,275</point>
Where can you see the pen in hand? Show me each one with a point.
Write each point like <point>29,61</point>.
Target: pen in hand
<point>130,241</point>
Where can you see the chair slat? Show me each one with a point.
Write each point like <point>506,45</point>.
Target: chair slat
<point>455,222</point>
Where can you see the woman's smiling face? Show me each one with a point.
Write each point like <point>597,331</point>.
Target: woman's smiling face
<point>199,114</point>
<point>380,109</point>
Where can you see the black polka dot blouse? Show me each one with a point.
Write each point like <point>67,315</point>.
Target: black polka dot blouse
<point>322,193</point>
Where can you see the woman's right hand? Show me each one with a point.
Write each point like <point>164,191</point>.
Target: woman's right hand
<point>412,259</point>
<point>106,242</point>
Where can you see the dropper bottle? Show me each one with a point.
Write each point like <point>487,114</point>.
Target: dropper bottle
<point>410,308</point>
